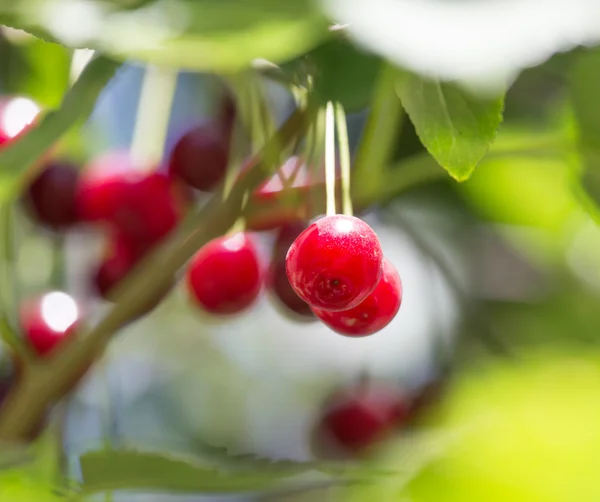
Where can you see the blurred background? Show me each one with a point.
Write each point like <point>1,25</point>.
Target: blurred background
<point>501,281</point>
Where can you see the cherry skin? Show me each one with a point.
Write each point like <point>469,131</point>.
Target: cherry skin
<point>16,117</point>
<point>201,156</point>
<point>225,276</point>
<point>48,320</point>
<point>374,313</point>
<point>335,263</point>
<point>357,418</point>
<point>50,198</point>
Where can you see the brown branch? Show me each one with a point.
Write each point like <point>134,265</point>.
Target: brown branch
<point>45,382</point>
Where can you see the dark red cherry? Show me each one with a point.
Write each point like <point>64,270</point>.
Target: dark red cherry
<point>357,418</point>
<point>335,263</point>
<point>285,238</point>
<point>50,198</point>
<point>374,313</point>
<point>49,319</point>
<point>121,257</point>
<point>225,276</point>
<point>280,287</point>
<point>200,157</point>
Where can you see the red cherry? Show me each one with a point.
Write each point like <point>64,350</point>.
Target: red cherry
<point>201,156</point>
<point>374,313</point>
<point>51,197</point>
<point>104,185</point>
<point>16,116</point>
<point>285,238</point>
<point>46,321</point>
<point>146,206</point>
<point>121,258</point>
<point>335,263</point>
<point>225,276</point>
<point>358,418</point>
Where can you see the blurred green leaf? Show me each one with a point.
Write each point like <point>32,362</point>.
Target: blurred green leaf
<point>47,72</point>
<point>112,470</point>
<point>456,127</point>
<point>344,73</point>
<point>17,159</point>
<point>585,99</point>
<point>212,35</point>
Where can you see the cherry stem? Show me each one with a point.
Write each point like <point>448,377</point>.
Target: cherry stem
<point>153,115</point>
<point>344,149</point>
<point>47,381</point>
<point>330,159</point>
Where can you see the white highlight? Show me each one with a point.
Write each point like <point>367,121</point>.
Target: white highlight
<point>18,114</point>
<point>59,311</point>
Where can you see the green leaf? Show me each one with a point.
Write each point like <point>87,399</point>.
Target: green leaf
<point>129,469</point>
<point>585,99</point>
<point>456,127</point>
<point>344,73</point>
<point>214,35</point>
<point>19,157</point>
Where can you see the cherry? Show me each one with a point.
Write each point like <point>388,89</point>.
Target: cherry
<point>144,205</point>
<point>357,418</point>
<point>374,313</point>
<point>335,263</point>
<point>47,320</point>
<point>122,256</point>
<point>50,198</point>
<point>225,276</point>
<point>280,286</point>
<point>201,156</point>
<point>278,282</point>
<point>16,116</point>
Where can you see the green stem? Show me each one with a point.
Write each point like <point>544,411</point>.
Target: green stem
<point>380,135</point>
<point>48,381</point>
<point>330,158</point>
<point>344,149</point>
<point>153,114</point>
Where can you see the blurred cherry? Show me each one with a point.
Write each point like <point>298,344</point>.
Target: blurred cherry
<point>359,417</point>
<point>48,320</point>
<point>50,198</point>
<point>122,256</point>
<point>16,116</point>
<point>145,205</point>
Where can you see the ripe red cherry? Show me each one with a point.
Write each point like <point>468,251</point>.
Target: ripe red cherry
<point>201,156</point>
<point>374,313</point>
<point>50,198</point>
<point>335,263</point>
<point>144,205</point>
<point>359,417</point>
<point>46,321</point>
<point>225,276</point>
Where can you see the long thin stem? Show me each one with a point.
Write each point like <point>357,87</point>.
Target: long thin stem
<point>344,149</point>
<point>153,114</point>
<point>330,158</point>
<point>49,380</point>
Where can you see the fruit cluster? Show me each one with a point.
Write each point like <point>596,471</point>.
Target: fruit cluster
<point>332,269</point>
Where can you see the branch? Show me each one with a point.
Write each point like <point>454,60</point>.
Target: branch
<point>48,380</point>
